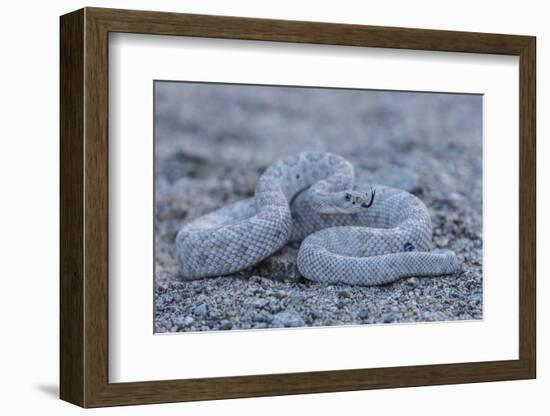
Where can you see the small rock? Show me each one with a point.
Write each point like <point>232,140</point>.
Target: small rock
<point>413,281</point>
<point>316,313</point>
<point>281,294</point>
<point>226,325</point>
<point>281,266</point>
<point>287,319</point>
<point>188,320</point>
<point>255,279</point>
<point>201,310</point>
<point>363,313</point>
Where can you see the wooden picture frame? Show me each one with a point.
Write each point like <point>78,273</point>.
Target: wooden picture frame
<point>84,207</point>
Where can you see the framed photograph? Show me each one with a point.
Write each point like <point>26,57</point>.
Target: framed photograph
<point>254,207</point>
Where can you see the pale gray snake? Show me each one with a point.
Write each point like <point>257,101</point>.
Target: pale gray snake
<point>355,234</point>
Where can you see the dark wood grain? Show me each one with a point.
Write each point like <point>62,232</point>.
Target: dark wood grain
<point>227,27</point>
<point>96,207</point>
<point>84,207</point>
<point>71,100</point>
<point>527,208</point>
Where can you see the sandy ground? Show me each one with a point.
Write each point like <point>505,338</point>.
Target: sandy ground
<point>213,141</point>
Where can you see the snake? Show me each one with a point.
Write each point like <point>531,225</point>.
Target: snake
<point>350,233</point>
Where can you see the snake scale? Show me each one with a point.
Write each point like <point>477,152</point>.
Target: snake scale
<point>350,233</point>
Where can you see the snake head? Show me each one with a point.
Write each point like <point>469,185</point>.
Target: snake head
<point>348,202</point>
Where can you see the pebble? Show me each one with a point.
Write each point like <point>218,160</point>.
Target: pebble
<point>226,325</point>
<point>201,310</point>
<point>343,294</point>
<point>281,265</point>
<point>287,319</point>
<point>281,294</point>
<point>413,281</point>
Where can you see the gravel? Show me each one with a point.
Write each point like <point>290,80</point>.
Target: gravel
<point>213,141</point>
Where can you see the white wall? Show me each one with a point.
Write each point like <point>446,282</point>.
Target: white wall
<point>29,209</point>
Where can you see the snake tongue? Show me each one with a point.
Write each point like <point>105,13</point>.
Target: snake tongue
<point>369,204</point>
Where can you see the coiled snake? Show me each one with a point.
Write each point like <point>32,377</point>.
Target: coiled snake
<point>364,235</point>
